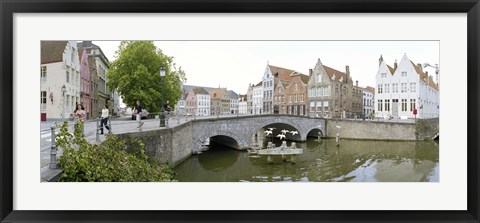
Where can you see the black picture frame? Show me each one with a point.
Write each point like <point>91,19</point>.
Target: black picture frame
<point>9,7</point>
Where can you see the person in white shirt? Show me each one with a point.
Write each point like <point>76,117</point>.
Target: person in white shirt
<point>104,120</point>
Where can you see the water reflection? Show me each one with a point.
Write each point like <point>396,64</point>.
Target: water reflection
<point>353,161</point>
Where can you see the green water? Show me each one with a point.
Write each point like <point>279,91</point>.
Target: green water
<point>353,161</point>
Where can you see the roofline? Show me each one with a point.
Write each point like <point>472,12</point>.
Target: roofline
<point>52,62</point>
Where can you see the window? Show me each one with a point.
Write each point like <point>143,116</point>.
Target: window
<point>325,104</point>
<point>380,88</point>
<point>319,78</point>
<point>326,91</point>
<point>319,92</point>
<point>43,73</point>
<point>384,75</point>
<point>301,110</point>
<point>413,87</point>
<point>380,105</point>
<point>311,92</point>
<point>404,73</point>
<point>296,98</point>
<point>68,76</point>
<point>43,100</point>
<point>290,98</point>
<point>387,88</point>
<point>387,104</point>
<point>312,106</point>
<point>395,88</point>
<point>403,87</point>
<point>301,97</point>
<point>404,104</point>
<point>295,87</point>
<point>73,55</point>
<point>412,104</point>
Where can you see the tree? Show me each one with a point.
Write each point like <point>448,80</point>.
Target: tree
<point>135,73</point>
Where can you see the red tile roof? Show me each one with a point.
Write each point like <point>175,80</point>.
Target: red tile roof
<point>337,74</point>
<point>392,70</point>
<point>280,72</point>
<point>424,76</point>
<point>52,51</point>
<point>370,89</point>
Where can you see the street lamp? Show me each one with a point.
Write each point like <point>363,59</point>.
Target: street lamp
<point>63,102</point>
<point>162,114</point>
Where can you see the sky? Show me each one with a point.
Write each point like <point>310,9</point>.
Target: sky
<point>236,64</point>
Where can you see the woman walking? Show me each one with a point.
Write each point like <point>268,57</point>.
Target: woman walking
<point>138,112</point>
<point>79,115</point>
<point>104,120</point>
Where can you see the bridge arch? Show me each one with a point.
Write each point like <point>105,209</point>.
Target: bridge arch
<point>280,120</point>
<point>230,139</point>
<point>315,133</point>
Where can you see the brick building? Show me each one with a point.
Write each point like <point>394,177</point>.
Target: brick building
<point>331,93</point>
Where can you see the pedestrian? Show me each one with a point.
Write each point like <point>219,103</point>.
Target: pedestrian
<point>104,119</point>
<point>79,115</point>
<point>138,112</point>
<point>167,107</point>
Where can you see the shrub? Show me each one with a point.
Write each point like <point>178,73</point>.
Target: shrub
<point>107,162</point>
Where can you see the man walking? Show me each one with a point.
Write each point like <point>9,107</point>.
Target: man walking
<point>138,111</point>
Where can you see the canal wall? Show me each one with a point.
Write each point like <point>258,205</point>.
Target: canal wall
<point>426,129</point>
<point>170,145</point>
<point>175,144</point>
<point>370,130</point>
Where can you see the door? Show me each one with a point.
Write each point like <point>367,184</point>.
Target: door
<point>395,108</point>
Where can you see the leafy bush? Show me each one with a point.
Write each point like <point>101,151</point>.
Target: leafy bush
<point>107,162</point>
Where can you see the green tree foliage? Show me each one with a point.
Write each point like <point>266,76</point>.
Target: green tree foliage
<point>136,74</point>
<point>107,162</point>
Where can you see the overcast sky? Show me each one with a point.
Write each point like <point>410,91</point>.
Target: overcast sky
<point>235,64</point>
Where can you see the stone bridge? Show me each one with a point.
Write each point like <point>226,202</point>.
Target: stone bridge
<point>241,131</point>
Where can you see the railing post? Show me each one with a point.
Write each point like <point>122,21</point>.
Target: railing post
<point>109,125</point>
<point>53,150</point>
<point>166,119</point>
<point>97,133</point>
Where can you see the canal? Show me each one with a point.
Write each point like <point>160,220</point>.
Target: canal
<point>321,161</point>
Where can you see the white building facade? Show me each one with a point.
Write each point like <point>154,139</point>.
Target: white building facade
<point>267,88</point>
<point>368,102</point>
<point>403,89</point>
<point>257,105</point>
<point>242,104</point>
<point>59,69</point>
<point>203,104</point>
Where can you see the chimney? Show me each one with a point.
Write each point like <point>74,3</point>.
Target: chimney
<point>395,65</point>
<point>310,72</point>
<point>380,60</point>
<point>347,72</point>
<point>356,83</point>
